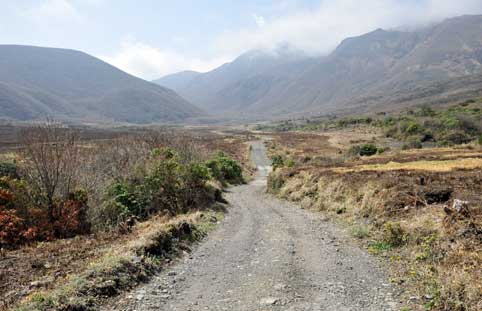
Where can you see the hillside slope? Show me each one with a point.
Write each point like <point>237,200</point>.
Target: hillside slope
<point>240,84</point>
<point>37,82</point>
<point>381,70</point>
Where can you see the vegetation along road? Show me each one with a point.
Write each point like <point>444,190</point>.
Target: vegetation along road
<point>268,255</point>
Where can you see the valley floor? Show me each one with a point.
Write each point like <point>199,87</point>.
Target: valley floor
<point>268,254</point>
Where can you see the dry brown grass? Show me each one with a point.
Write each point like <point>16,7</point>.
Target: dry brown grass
<point>431,166</point>
<point>120,264</point>
<point>440,257</point>
<point>342,139</point>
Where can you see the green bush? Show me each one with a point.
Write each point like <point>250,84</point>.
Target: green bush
<point>389,121</point>
<point>394,235</point>
<point>382,150</point>
<point>450,122</point>
<point>124,201</point>
<point>225,169</point>
<point>167,185</point>
<point>368,150</point>
<point>277,161</point>
<point>363,150</point>
<point>8,169</point>
<point>290,163</point>
<point>342,123</point>
<point>411,128</point>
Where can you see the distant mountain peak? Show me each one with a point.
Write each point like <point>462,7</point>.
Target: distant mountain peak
<point>67,84</point>
<point>382,68</point>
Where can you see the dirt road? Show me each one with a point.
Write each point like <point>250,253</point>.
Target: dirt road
<point>268,255</point>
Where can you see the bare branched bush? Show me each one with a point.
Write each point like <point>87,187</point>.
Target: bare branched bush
<point>104,182</point>
<point>51,154</point>
<point>186,145</point>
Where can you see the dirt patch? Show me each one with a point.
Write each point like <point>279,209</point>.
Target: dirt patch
<point>42,265</point>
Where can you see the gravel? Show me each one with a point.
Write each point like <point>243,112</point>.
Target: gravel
<point>268,254</point>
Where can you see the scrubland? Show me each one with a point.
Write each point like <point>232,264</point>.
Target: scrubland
<point>83,218</point>
<point>417,205</point>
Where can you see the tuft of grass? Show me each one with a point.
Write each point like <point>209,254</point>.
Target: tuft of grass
<point>378,247</point>
<point>394,235</point>
<point>360,232</point>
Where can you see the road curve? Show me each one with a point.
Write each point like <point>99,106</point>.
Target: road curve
<point>268,255</point>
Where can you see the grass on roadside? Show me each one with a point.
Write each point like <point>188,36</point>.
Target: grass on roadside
<point>153,243</point>
<point>405,216</point>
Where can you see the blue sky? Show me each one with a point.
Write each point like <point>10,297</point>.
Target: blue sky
<point>152,38</point>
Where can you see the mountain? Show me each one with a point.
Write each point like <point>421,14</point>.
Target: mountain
<point>37,82</point>
<point>178,80</point>
<point>242,83</point>
<point>381,70</point>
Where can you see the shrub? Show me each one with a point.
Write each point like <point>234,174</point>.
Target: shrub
<point>19,225</point>
<point>51,154</point>
<point>450,121</point>
<point>167,186</point>
<point>413,143</point>
<point>368,150</point>
<point>8,169</point>
<point>382,150</point>
<point>457,138</point>
<point>126,200</point>
<point>394,235</point>
<point>411,128</point>
<point>389,121</point>
<point>290,163</point>
<point>12,228</point>
<point>342,123</point>
<point>277,161</point>
<point>71,216</point>
<point>360,232</point>
<point>391,131</point>
<point>197,175</point>
<point>224,168</point>
<point>427,136</point>
<point>6,198</point>
<point>467,102</point>
<point>468,124</point>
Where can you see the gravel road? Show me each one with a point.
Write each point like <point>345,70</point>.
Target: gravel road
<point>268,255</point>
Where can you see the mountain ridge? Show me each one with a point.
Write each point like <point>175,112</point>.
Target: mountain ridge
<point>382,69</point>
<point>36,82</point>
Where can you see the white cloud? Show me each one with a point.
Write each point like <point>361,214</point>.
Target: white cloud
<point>259,20</point>
<point>315,31</point>
<point>321,29</point>
<point>150,63</point>
<point>52,11</point>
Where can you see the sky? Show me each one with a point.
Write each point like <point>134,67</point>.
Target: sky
<point>152,38</point>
